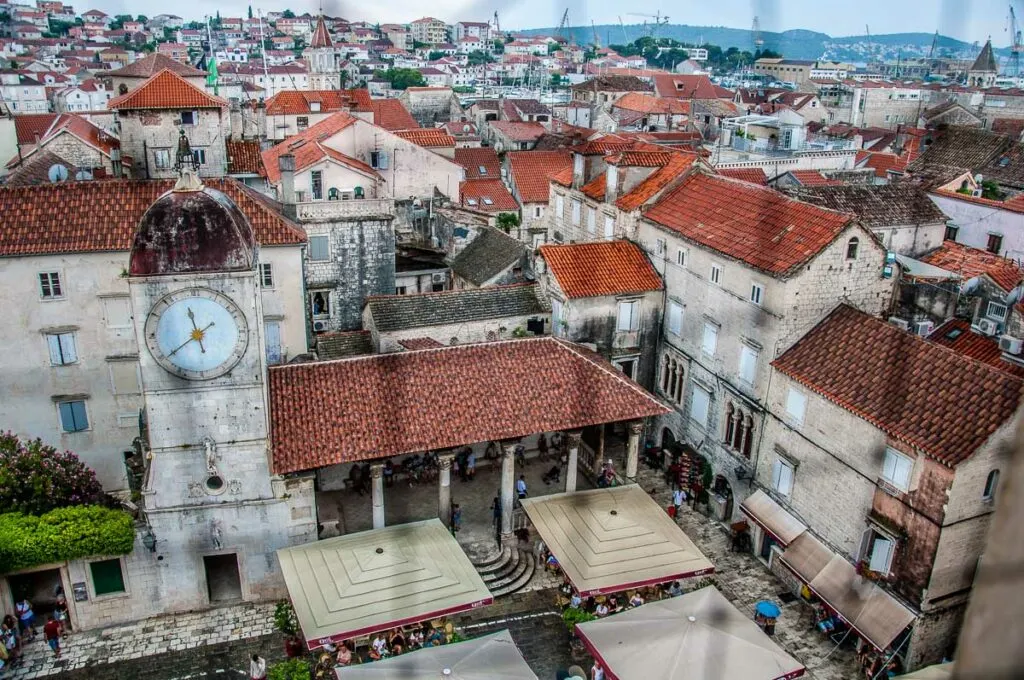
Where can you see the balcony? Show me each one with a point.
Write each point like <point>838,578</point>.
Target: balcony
<point>328,211</point>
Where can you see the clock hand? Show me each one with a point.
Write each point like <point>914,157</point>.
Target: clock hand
<point>201,333</point>
<point>179,347</point>
<point>192,318</point>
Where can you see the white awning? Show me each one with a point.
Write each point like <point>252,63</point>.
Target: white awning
<point>607,540</point>
<point>360,583</point>
<point>697,636</point>
<point>760,507</point>
<point>940,671</point>
<point>490,656</point>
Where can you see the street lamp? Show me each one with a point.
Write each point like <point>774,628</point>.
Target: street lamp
<point>149,540</point>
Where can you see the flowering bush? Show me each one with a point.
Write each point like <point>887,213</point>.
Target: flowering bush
<point>63,534</point>
<point>36,478</point>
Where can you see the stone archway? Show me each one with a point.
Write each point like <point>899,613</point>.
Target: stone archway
<point>722,497</point>
<point>668,439</point>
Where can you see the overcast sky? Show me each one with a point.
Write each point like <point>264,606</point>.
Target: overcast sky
<point>968,20</point>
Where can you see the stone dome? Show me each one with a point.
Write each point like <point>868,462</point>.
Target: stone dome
<point>192,228</point>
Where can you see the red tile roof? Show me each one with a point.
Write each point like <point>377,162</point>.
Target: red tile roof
<point>473,159</point>
<point>413,344</point>
<point>657,181</point>
<point>321,38</point>
<point>958,336</point>
<point>152,64</point>
<point>752,175</point>
<point>431,138</point>
<point>28,126</point>
<point>639,159</point>
<point>689,87</point>
<point>312,136</point>
<point>971,262</point>
<point>98,216</point>
<point>166,90</point>
<point>99,139</point>
<point>483,190</point>
<point>596,187</point>
<point>373,407</point>
<point>244,157</point>
<point>518,132</point>
<point>390,114</point>
<point>927,396</point>
<point>882,163</point>
<point>299,102</point>
<point>600,268</point>
<point>644,103</point>
<point>529,172</point>
<point>1015,204</point>
<point>812,178</point>
<point>754,224</point>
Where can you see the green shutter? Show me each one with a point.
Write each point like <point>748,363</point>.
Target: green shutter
<point>107,577</point>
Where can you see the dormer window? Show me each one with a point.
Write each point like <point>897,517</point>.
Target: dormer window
<point>482,169</point>
<point>314,106</point>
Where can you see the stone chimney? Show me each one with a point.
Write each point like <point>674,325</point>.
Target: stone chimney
<point>115,162</point>
<point>579,175</point>
<point>286,164</point>
<point>611,190</point>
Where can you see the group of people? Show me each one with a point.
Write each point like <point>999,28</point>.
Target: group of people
<point>604,605</point>
<point>577,673</point>
<point>15,633</point>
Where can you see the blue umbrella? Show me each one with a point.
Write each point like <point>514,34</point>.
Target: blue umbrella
<point>768,609</point>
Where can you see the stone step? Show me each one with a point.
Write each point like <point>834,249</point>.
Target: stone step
<point>518,579</point>
<point>495,563</point>
<point>505,569</point>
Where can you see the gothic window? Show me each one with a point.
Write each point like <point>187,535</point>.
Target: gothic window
<point>672,378</point>
<point>738,429</point>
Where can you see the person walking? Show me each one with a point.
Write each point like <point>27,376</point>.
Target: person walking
<point>470,465</point>
<point>26,618</point>
<point>521,487</point>
<point>678,499</point>
<point>456,518</point>
<point>257,668</point>
<point>51,631</point>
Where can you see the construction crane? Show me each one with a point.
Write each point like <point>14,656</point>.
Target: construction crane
<point>597,39</point>
<point>867,32</point>
<point>652,28</point>
<point>497,26</point>
<point>560,31</point>
<point>755,31</point>
<point>1016,46</point>
<point>625,38</point>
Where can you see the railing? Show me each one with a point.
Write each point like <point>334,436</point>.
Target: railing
<point>313,211</point>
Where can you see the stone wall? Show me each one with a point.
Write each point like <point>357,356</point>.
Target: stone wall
<point>486,330</point>
<point>145,132</point>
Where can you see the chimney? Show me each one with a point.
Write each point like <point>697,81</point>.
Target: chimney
<point>286,164</point>
<point>611,191</point>
<point>578,174</point>
<point>115,162</point>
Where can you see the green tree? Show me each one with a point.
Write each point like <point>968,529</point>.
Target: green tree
<point>142,18</point>
<point>292,669</point>
<point>119,20</point>
<point>417,45</point>
<point>402,78</point>
<point>477,57</point>
<point>498,45</point>
<point>5,18</point>
<point>285,619</point>
<point>250,11</point>
<point>36,478</point>
<point>556,80</point>
<point>767,54</point>
<point>435,55</point>
<point>507,221</point>
<point>287,14</point>
<point>57,28</point>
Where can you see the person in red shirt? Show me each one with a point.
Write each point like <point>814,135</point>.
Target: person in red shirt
<point>51,631</point>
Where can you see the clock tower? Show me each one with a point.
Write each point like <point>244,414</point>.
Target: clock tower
<point>213,505</point>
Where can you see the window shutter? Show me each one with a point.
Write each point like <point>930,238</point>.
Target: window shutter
<point>776,474</point>
<point>675,318</point>
<point>53,341</point>
<point>625,315</point>
<point>67,347</point>
<point>609,226</point>
<point>880,554</point>
<point>748,364</point>
<point>78,414</point>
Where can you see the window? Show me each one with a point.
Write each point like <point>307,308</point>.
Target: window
<point>266,275</point>
<point>189,117</point>
<point>896,469</point>
<point>851,248</point>
<point>675,318</point>
<point>991,483</point>
<point>681,257</point>
<point>609,226</point>
<point>62,348</point>
<point>716,274</point>
<point>538,211</point>
<point>162,158</point>
<point>659,246</point>
<point>319,248</point>
<point>575,212</point>
<point>316,180</point>
<point>117,312</point>
<point>487,201</point>
<point>49,286</point>
<point>379,159</point>
<point>629,315</point>
<point>400,290</point>
<point>748,364</point>
<point>700,405</point>
<point>124,377</point>
<point>199,156</point>
<point>710,342</point>
<point>302,122</point>
<point>951,232</point>
<point>782,477</point>
<point>557,323</point>
<point>107,577</point>
<point>995,243</point>
<point>672,378</point>
<point>73,417</point>
<point>591,220</point>
<point>796,406</point>
<point>320,303</point>
<point>995,311</point>
<point>739,428</point>
<point>756,293</point>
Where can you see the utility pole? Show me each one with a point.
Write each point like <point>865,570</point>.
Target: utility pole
<point>263,49</point>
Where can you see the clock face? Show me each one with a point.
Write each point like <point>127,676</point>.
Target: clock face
<point>196,333</point>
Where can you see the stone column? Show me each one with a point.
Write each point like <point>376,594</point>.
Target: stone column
<point>377,494</point>
<point>572,466</point>
<point>508,487</point>
<point>633,448</point>
<point>444,488</point>
<point>599,455</point>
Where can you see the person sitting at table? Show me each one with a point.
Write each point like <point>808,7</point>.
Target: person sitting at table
<point>416,638</point>
<point>613,605</point>
<point>636,600</point>
<point>396,642</point>
<point>601,610</point>
<point>575,601</point>
<point>434,638</point>
<point>675,590</point>
<point>379,647</point>
<point>551,564</point>
<point>344,655</point>
<point>823,621</point>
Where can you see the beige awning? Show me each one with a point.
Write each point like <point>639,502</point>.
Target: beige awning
<point>607,540</point>
<point>490,656</point>
<point>940,671</point>
<point>760,507</point>
<point>875,614</point>
<point>361,583</point>
<point>697,636</point>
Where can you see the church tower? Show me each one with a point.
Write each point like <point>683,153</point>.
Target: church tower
<point>213,505</point>
<point>983,71</point>
<point>323,59</point>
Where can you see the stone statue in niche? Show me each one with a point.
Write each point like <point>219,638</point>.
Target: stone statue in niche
<point>216,536</point>
<point>211,456</point>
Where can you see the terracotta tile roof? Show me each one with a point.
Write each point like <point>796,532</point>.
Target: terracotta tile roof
<point>166,90</point>
<point>28,126</point>
<point>36,169</point>
<point>596,187</point>
<point>639,159</point>
<point>752,175</point>
<point>373,407</point>
<point>488,195</point>
<point>298,102</point>
<point>475,159</point>
<point>656,182</point>
<point>1009,127</point>
<point>754,224</point>
<point>518,132</point>
<point>152,64</point>
<point>604,145</point>
<point>877,205</point>
<point>644,103</point>
<point>391,114</point>
<point>562,176</point>
<point>321,38</point>
<point>414,344</point>
<point>963,148</point>
<point>924,395</point>
<point>312,136</point>
<point>812,178</point>
<point>600,268</point>
<point>99,216</point>
<point>244,157</point>
<point>529,170</point>
<point>882,163</point>
<point>971,262</point>
<point>689,87</point>
<point>958,336</point>
<point>613,83</point>
<point>431,138</point>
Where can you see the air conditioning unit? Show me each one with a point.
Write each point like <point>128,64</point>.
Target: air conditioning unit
<point>900,323</point>
<point>987,327</point>
<point>319,326</point>
<point>1010,344</point>
<point>923,328</point>
<point>438,278</point>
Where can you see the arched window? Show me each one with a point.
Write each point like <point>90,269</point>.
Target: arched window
<point>664,373</point>
<point>990,485</point>
<point>851,248</point>
<point>122,89</point>
<point>729,423</point>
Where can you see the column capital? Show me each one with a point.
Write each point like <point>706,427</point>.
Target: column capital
<point>508,446</point>
<point>377,470</point>
<point>636,426</point>
<point>573,437</point>
<point>444,460</point>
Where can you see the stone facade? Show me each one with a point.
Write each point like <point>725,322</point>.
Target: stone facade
<point>78,153</point>
<point>151,139</point>
<point>487,330</point>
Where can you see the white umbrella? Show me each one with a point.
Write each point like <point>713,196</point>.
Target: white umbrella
<point>484,658</point>
<point>698,636</point>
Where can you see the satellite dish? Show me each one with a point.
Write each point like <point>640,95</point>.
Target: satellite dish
<point>83,175</point>
<point>57,173</point>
